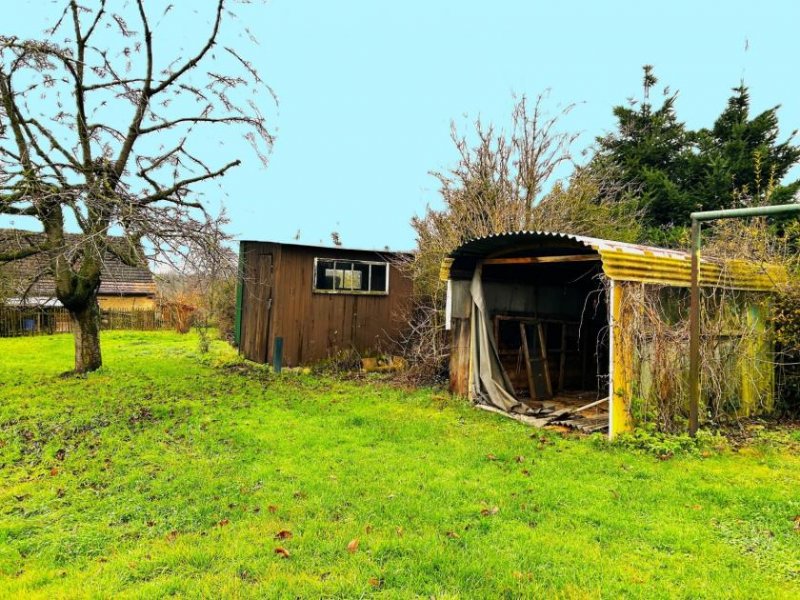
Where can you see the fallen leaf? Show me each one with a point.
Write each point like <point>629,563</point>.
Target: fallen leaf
<point>697,507</point>
<point>282,552</point>
<point>283,534</point>
<point>375,582</point>
<point>491,457</point>
<point>452,535</point>
<point>272,508</point>
<point>224,522</point>
<point>54,471</point>
<point>352,546</point>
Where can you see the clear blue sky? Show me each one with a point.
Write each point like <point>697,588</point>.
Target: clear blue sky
<point>368,89</point>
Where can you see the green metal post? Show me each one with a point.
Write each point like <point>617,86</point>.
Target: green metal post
<point>694,309</point>
<point>277,354</point>
<point>694,331</point>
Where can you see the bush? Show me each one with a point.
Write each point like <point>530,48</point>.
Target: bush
<point>664,446</point>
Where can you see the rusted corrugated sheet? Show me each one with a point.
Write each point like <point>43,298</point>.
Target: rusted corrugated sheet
<point>621,261</point>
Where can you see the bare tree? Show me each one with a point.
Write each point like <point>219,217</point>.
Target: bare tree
<point>98,132</point>
<point>509,182</point>
<point>497,185</point>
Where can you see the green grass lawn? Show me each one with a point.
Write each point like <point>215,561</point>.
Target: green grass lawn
<point>171,473</point>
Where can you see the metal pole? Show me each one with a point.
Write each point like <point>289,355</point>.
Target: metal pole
<point>694,331</point>
<point>694,308</point>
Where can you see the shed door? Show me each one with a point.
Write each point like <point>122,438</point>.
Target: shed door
<point>257,305</point>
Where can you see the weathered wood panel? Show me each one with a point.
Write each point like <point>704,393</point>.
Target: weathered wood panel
<point>257,294</point>
<point>459,356</point>
<point>315,326</point>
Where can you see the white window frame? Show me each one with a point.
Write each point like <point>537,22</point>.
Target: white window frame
<point>353,261</point>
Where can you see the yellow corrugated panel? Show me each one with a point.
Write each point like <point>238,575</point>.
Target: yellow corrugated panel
<point>649,268</point>
<point>635,262</point>
<point>444,269</point>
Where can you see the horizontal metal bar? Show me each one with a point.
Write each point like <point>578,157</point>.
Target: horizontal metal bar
<point>754,211</point>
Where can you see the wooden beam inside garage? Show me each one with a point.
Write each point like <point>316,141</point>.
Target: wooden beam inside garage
<point>528,260</point>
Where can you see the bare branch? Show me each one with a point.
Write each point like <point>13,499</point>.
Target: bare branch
<point>168,193</point>
<point>195,60</point>
<point>174,122</point>
<point>12,255</point>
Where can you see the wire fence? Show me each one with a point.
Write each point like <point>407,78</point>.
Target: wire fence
<point>21,321</point>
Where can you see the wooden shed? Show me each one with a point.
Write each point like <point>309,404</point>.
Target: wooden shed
<point>320,301</point>
<point>552,327</point>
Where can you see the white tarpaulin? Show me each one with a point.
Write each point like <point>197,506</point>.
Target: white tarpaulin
<point>490,382</point>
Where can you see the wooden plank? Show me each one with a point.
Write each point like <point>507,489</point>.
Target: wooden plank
<point>563,362</point>
<point>543,347</point>
<point>528,260</point>
<point>459,357</point>
<point>590,405</point>
<point>528,367</point>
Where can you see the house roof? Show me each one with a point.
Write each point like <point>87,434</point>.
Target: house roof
<point>30,276</point>
<point>620,261</point>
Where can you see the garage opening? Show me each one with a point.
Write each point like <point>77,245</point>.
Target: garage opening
<point>549,320</point>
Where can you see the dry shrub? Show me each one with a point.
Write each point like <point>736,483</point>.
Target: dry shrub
<point>656,328</point>
<point>342,362</point>
<point>657,325</point>
<point>202,293</point>
<point>497,186</point>
<point>424,343</point>
<point>786,321</point>
<point>774,241</point>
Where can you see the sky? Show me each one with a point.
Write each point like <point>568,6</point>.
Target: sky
<point>368,90</point>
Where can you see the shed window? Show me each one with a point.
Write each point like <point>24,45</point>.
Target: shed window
<point>333,276</point>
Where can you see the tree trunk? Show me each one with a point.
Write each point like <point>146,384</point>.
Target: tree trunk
<point>86,328</point>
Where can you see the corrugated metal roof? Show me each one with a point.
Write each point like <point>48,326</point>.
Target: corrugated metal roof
<point>621,261</point>
<point>321,246</point>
